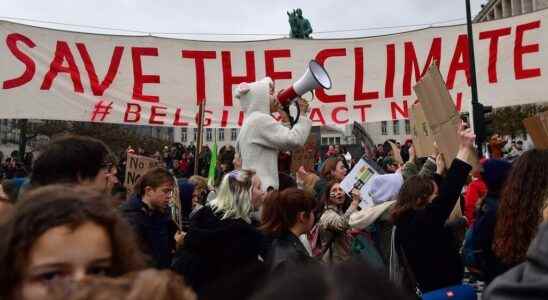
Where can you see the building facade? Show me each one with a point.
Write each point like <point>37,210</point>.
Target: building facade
<point>498,9</point>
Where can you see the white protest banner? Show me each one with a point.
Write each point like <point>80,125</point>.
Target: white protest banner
<point>137,166</point>
<point>62,75</point>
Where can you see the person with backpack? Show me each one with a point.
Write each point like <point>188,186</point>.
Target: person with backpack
<point>423,242</point>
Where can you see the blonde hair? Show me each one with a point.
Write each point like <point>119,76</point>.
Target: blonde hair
<point>234,197</point>
<point>309,181</point>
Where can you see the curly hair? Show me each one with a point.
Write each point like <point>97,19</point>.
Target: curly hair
<point>521,205</point>
<point>56,205</point>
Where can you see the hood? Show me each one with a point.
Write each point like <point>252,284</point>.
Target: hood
<point>384,188</point>
<point>495,172</point>
<point>224,238</point>
<point>257,98</point>
<point>185,196</point>
<point>528,280</point>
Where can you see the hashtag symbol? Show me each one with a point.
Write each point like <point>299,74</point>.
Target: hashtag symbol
<point>101,110</point>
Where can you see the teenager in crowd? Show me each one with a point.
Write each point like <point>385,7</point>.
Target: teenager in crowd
<point>221,244</point>
<point>420,214</point>
<point>333,169</point>
<point>286,215</point>
<point>62,233</point>
<point>148,213</point>
<point>480,238</point>
<point>333,223</point>
<point>528,280</point>
<point>520,209</point>
<point>75,160</point>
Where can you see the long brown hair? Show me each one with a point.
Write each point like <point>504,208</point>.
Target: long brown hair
<point>280,210</point>
<point>329,166</point>
<point>521,205</point>
<point>413,195</point>
<point>56,205</point>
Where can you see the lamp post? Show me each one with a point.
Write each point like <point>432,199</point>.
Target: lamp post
<point>477,108</point>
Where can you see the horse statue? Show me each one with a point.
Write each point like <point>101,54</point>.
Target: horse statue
<point>300,26</point>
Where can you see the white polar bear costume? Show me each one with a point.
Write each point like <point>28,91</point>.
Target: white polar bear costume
<point>261,136</point>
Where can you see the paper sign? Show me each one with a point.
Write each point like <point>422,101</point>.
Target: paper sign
<point>136,167</point>
<point>360,178</point>
<point>537,127</point>
<point>441,114</point>
<point>422,135</point>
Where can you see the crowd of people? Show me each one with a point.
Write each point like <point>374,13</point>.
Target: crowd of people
<point>426,223</point>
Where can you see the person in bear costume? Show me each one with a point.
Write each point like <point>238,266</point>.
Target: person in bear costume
<point>261,136</point>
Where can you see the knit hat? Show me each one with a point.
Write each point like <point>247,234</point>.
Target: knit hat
<point>495,172</point>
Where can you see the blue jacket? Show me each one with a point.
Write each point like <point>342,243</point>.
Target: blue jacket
<point>155,231</point>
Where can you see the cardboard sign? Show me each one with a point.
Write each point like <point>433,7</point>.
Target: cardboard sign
<point>304,156</point>
<point>422,135</point>
<point>537,127</point>
<point>441,114</point>
<point>136,167</point>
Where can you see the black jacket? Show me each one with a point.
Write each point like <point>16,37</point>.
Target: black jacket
<point>155,231</point>
<point>217,250</point>
<point>484,231</point>
<point>287,252</point>
<point>430,247</point>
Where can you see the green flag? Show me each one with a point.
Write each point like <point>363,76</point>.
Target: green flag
<point>212,165</point>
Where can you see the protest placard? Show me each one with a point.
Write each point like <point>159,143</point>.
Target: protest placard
<point>537,127</point>
<point>304,156</point>
<point>137,166</point>
<point>441,114</point>
<point>360,178</point>
<point>422,135</point>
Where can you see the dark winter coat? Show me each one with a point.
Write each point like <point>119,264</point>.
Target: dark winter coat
<point>430,247</point>
<point>216,250</point>
<point>155,231</point>
<point>286,253</point>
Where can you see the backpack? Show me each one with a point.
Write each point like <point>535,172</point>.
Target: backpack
<point>363,246</point>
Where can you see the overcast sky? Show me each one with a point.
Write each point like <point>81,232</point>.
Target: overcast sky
<point>236,16</point>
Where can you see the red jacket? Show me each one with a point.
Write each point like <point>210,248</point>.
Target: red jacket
<point>476,190</point>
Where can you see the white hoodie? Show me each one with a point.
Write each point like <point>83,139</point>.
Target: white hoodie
<point>261,136</point>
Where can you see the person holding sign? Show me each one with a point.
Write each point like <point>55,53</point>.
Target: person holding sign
<point>148,213</point>
<point>420,214</point>
<point>261,136</point>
